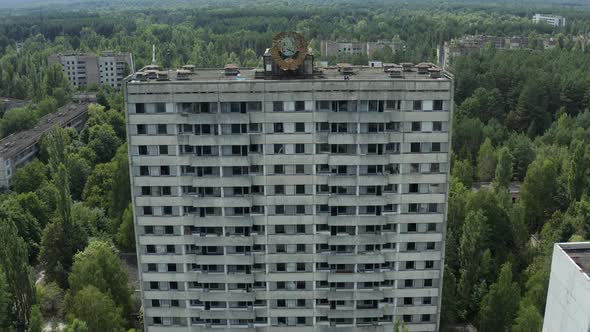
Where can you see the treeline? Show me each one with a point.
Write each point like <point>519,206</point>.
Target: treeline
<point>522,116</point>
<point>66,217</point>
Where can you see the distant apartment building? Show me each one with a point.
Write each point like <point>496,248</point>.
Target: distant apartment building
<point>568,297</point>
<point>556,21</point>
<point>350,48</point>
<point>84,69</point>
<point>19,149</point>
<point>290,199</point>
<point>472,44</point>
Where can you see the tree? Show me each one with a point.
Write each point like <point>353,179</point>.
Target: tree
<point>120,193</point>
<point>98,189</point>
<point>59,244</point>
<point>79,169</point>
<point>17,275</point>
<point>576,170</point>
<point>99,266</point>
<point>36,320</point>
<point>486,161</point>
<point>472,244</point>
<point>15,120</point>
<point>126,234</point>
<point>104,141</point>
<point>30,177</point>
<point>96,309</point>
<point>463,171</point>
<point>527,319</point>
<point>538,192</point>
<point>503,169</point>
<point>499,306</point>
<point>50,298</point>
<point>77,326</point>
<point>27,226</point>
<point>450,304</point>
<point>5,296</point>
<point>54,79</point>
<point>520,145</point>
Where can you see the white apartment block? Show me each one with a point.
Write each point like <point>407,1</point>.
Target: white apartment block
<point>275,202</point>
<point>85,69</point>
<point>568,297</point>
<point>556,21</point>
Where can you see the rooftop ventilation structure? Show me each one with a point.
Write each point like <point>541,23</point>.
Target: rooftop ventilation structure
<point>231,70</point>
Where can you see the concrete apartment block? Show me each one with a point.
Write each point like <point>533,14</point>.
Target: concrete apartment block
<point>85,69</point>
<point>556,21</point>
<point>568,297</point>
<point>267,201</point>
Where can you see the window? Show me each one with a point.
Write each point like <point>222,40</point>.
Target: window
<point>147,211</point>
<point>300,247</point>
<point>417,105</point>
<point>160,108</point>
<point>141,129</point>
<point>299,148</point>
<point>279,209</point>
<point>152,267</point>
<point>143,150</point>
<point>299,127</point>
<point>432,227</point>
<point>425,318</point>
<point>299,169</point>
<point>278,127</point>
<point>300,267</point>
<point>427,282</point>
<point>407,318</point>
<point>408,301</point>
<point>416,126</point>
<point>323,126</point>
<point>411,227</point>
<point>299,106</point>
<point>301,320</point>
<point>413,188</point>
<point>415,147</point>
<point>430,245</point>
<point>409,265</point>
<point>411,246</point>
<point>437,126</point>
<point>169,229</point>
<point>171,267</point>
<point>149,229</point>
<point>300,209</point>
<point>167,210</point>
<point>277,106</point>
<point>279,148</point>
<point>163,149</point>
<point>437,105</point>
<point>432,207</point>
<point>173,285</point>
<point>429,264</point>
<point>427,300</point>
<point>300,302</point>
<point>279,169</point>
<point>279,189</point>
<point>164,170</point>
<point>435,147</point>
<point>140,108</point>
<point>300,189</point>
<point>162,129</point>
<point>281,268</point>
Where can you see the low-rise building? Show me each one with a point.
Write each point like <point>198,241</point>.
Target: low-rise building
<point>568,298</point>
<point>475,43</point>
<point>19,149</point>
<point>83,69</point>
<point>556,21</point>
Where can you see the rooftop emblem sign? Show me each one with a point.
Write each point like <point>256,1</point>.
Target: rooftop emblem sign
<point>288,50</point>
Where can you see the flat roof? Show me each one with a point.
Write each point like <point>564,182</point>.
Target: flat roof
<point>324,73</point>
<point>13,144</point>
<point>579,252</point>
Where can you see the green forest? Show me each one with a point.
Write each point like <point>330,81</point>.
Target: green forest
<point>520,116</point>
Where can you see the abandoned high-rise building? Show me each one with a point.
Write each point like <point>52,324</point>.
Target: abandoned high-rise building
<point>287,198</point>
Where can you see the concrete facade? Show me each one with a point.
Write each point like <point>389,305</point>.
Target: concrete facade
<point>290,205</point>
<point>568,297</point>
<point>84,69</point>
<point>19,149</point>
<point>350,48</point>
<point>556,21</point>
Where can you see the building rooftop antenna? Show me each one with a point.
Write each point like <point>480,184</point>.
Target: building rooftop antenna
<point>153,54</point>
